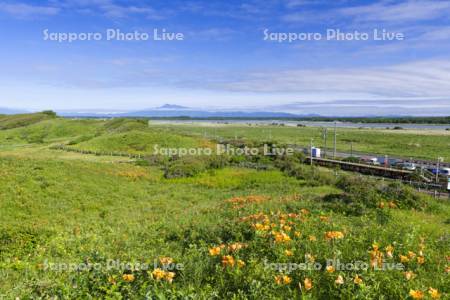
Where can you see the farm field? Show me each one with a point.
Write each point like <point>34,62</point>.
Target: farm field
<point>423,144</point>
<point>97,226</point>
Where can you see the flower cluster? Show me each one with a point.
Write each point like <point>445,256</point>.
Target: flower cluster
<point>333,235</point>
<point>160,274</point>
<point>240,202</point>
<point>228,260</point>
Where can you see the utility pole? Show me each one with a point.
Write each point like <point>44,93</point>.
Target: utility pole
<point>438,169</point>
<point>310,152</point>
<point>334,151</point>
<point>325,135</point>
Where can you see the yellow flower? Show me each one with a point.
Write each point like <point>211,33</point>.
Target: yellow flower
<point>409,275</point>
<point>287,228</point>
<point>240,263</point>
<point>447,269</point>
<point>214,251</point>
<point>128,277</point>
<point>381,204</point>
<point>411,254</point>
<point>288,252</point>
<point>330,235</point>
<point>434,293</point>
<point>158,274</point>
<point>168,276</point>
<point>357,280</point>
<point>228,260</point>
<point>416,294</point>
<point>236,247</point>
<point>324,218</point>
<point>310,258</point>
<point>297,234</point>
<point>308,284</point>
<point>283,279</point>
<point>261,227</point>
<point>420,260</point>
<point>404,258</point>
<point>304,211</point>
<point>389,251</point>
<point>376,257</point>
<point>312,238</point>
<point>330,269</point>
<point>287,279</point>
<point>281,237</point>
<point>339,280</point>
<point>166,260</point>
<point>258,226</point>
<point>392,204</point>
<point>375,247</point>
<point>112,280</point>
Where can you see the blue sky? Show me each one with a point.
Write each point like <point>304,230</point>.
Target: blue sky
<point>224,61</point>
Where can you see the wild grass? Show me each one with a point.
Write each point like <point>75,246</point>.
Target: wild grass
<point>61,207</point>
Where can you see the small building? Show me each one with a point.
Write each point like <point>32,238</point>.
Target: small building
<point>315,152</point>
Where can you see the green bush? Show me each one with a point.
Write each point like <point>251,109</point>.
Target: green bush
<point>186,166</point>
<point>361,193</point>
<point>403,196</point>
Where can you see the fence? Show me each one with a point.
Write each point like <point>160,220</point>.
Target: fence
<point>99,153</point>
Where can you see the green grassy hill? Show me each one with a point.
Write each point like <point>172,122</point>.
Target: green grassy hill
<point>76,226</point>
<point>14,121</point>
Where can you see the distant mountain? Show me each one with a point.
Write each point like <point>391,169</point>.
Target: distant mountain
<point>172,111</point>
<point>172,106</point>
<point>206,114</point>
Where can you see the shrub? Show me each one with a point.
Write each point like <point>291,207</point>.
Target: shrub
<point>359,193</point>
<point>49,113</point>
<point>404,196</point>
<point>352,159</point>
<point>312,175</point>
<point>142,163</point>
<point>186,166</point>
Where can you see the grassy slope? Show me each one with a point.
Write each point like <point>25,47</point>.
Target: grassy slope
<point>130,213</point>
<point>70,207</point>
<point>14,121</point>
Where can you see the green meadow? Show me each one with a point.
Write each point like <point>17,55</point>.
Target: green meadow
<point>97,226</point>
<point>424,144</point>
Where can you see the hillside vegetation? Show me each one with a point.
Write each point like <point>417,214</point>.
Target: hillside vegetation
<point>95,226</point>
<point>14,121</point>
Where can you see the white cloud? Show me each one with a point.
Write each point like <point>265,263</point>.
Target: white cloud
<point>416,79</point>
<point>411,10</point>
<point>110,8</point>
<point>382,11</point>
<point>213,33</point>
